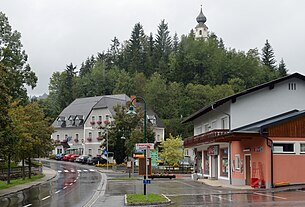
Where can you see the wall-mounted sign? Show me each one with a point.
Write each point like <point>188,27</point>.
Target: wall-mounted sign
<point>213,150</point>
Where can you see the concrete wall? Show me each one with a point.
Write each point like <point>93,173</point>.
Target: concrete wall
<point>266,103</point>
<point>263,156</point>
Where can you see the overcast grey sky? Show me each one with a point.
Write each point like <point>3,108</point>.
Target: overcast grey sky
<point>57,32</point>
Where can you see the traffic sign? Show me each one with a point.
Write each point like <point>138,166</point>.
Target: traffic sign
<point>143,146</point>
<point>146,182</point>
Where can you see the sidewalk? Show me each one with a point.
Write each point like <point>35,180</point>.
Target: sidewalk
<point>49,174</point>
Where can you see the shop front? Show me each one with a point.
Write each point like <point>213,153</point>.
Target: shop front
<point>213,161</point>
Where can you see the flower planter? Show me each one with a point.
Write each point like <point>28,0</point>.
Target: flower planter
<point>170,176</point>
<point>92,122</point>
<point>89,139</point>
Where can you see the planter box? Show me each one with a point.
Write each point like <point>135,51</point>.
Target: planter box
<point>162,176</point>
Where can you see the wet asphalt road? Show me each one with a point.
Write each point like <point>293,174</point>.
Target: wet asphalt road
<point>74,186</point>
<point>187,193</point>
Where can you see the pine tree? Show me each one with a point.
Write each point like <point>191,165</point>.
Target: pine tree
<point>175,43</point>
<point>268,58</point>
<point>163,47</point>
<point>135,49</point>
<point>282,68</point>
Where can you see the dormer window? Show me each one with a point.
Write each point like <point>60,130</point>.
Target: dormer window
<point>77,121</point>
<point>292,86</point>
<point>200,32</point>
<point>152,119</point>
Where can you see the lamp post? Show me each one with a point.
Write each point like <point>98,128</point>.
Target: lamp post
<point>131,111</point>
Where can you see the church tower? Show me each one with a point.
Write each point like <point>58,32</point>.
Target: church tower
<point>201,30</point>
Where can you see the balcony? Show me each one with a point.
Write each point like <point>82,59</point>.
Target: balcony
<point>204,138</point>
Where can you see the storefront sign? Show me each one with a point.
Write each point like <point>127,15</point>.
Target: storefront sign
<point>213,150</point>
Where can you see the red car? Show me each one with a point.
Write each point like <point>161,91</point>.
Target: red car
<point>66,157</point>
<point>73,157</point>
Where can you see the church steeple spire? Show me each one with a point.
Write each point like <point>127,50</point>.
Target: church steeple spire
<point>201,18</point>
<point>201,29</point>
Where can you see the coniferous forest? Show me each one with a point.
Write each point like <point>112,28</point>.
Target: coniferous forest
<point>176,75</point>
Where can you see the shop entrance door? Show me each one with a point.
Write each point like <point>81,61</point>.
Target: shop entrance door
<point>214,174</point>
<point>247,169</point>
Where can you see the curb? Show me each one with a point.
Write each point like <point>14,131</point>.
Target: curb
<point>148,204</point>
<point>28,185</point>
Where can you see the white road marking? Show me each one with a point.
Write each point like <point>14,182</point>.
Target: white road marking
<point>74,181</point>
<point>73,171</point>
<point>85,170</point>
<point>221,198</point>
<point>91,170</point>
<point>28,205</point>
<point>59,171</point>
<point>78,170</point>
<point>65,187</point>
<point>45,198</point>
<point>71,184</point>
<point>66,171</point>
<point>57,191</point>
<point>270,196</point>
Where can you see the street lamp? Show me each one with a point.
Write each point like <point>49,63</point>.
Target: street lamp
<point>131,111</point>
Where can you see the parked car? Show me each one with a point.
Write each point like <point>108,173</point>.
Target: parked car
<point>59,156</point>
<point>82,159</point>
<point>66,157</point>
<point>96,160</point>
<point>73,157</point>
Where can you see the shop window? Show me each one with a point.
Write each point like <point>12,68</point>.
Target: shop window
<point>237,162</point>
<point>224,162</point>
<point>283,147</point>
<point>206,163</point>
<point>302,147</point>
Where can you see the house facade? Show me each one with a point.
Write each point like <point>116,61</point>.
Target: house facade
<point>78,127</point>
<point>248,138</point>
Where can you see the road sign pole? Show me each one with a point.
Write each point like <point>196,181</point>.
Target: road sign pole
<point>146,171</point>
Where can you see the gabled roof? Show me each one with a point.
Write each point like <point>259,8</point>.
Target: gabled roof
<point>110,101</point>
<point>272,121</point>
<point>80,106</point>
<point>235,96</point>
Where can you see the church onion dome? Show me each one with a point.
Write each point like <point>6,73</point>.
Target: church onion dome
<point>201,18</point>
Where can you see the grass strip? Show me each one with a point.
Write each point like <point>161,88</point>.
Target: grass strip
<point>19,181</point>
<point>140,198</point>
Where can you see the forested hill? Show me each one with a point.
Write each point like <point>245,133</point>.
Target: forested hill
<point>176,76</point>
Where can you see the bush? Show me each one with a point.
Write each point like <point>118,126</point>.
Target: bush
<point>52,157</point>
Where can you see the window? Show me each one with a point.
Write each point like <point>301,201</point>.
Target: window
<point>66,136</point>
<point>292,86</point>
<point>302,147</point>
<point>93,118</point>
<point>200,32</point>
<point>206,127</point>
<point>199,130</point>
<point>90,151</point>
<point>224,123</point>
<point>99,151</point>
<point>224,162</point>
<point>237,162</point>
<point>57,136</point>
<point>213,124</point>
<point>76,136</point>
<point>206,163</point>
<point>186,152</point>
<point>90,134</point>
<point>158,138</point>
<point>107,117</point>
<point>76,121</point>
<point>100,118</point>
<point>99,134</point>
<point>283,147</point>
<point>59,151</point>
